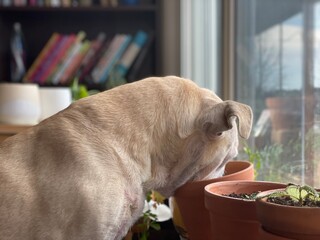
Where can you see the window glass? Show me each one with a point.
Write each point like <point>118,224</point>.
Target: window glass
<point>277,59</point>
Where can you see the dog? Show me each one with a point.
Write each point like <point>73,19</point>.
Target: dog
<point>83,173</point>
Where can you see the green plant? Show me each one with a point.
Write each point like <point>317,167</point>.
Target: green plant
<point>254,156</point>
<point>148,220</point>
<point>295,195</point>
<point>79,91</point>
<point>266,160</point>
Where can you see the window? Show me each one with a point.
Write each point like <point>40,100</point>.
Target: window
<point>277,72</point>
<point>267,55</point>
<point>200,21</point>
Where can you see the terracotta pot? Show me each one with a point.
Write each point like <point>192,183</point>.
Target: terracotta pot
<point>128,236</point>
<point>265,235</point>
<point>135,230</point>
<point>234,218</point>
<point>300,223</point>
<point>286,118</point>
<point>194,220</point>
<point>284,112</point>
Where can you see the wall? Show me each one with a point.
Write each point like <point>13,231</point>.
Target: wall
<point>169,24</point>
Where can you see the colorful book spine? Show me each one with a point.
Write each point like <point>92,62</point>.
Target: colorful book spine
<point>44,52</point>
<point>94,50</point>
<point>47,65</point>
<point>32,3</point>
<point>62,57</point>
<point>133,73</point>
<point>70,39</point>
<point>46,60</point>
<point>131,53</point>
<point>111,57</point>
<point>71,53</point>
<point>86,73</point>
<point>75,63</point>
<point>7,3</point>
<point>103,61</point>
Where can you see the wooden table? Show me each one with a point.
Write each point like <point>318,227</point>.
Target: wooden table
<point>7,130</point>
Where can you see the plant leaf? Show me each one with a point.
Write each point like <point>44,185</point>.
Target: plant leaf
<point>293,191</point>
<point>309,190</point>
<point>155,226</point>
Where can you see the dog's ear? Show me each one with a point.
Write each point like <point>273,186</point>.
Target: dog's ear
<point>221,116</point>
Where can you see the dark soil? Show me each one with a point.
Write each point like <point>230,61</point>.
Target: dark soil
<point>286,200</point>
<point>247,196</point>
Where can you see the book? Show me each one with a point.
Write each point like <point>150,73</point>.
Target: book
<point>32,3</point>
<point>93,52</point>
<point>103,61</point>
<point>85,3</point>
<point>66,3</point>
<point>55,3</point>
<point>20,3</point>
<point>70,55</point>
<point>47,64</point>
<point>41,56</point>
<point>75,63</point>
<point>7,3</point>
<point>111,57</point>
<point>46,61</point>
<point>137,65</point>
<point>58,58</point>
<point>86,73</point>
<point>125,41</point>
<point>40,3</point>
<point>131,53</point>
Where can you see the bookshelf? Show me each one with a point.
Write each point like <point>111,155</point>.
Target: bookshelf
<point>38,24</point>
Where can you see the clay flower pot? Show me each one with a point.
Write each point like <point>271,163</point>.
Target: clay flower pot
<point>188,200</point>
<point>286,118</point>
<point>284,113</point>
<point>234,218</point>
<point>265,235</point>
<point>300,223</point>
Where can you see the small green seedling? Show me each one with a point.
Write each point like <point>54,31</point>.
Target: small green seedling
<point>296,194</point>
<point>254,157</point>
<point>147,221</point>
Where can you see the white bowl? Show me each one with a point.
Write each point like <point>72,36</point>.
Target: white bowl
<point>53,100</point>
<point>19,103</point>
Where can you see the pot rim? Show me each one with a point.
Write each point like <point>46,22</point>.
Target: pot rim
<point>238,182</point>
<point>196,188</point>
<point>247,165</point>
<point>263,200</point>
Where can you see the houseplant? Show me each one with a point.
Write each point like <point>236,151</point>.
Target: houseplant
<point>234,218</point>
<point>148,220</point>
<point>291,213</point>
<point>188,200</point>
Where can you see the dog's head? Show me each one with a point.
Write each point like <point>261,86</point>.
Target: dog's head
<point>173,130</point>
<point>203,134</point>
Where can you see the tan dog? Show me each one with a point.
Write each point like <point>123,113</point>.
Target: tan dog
<point>83,173</point>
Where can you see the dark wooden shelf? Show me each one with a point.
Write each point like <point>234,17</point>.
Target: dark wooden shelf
<point>138,8</point>
<point>38,24</point>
